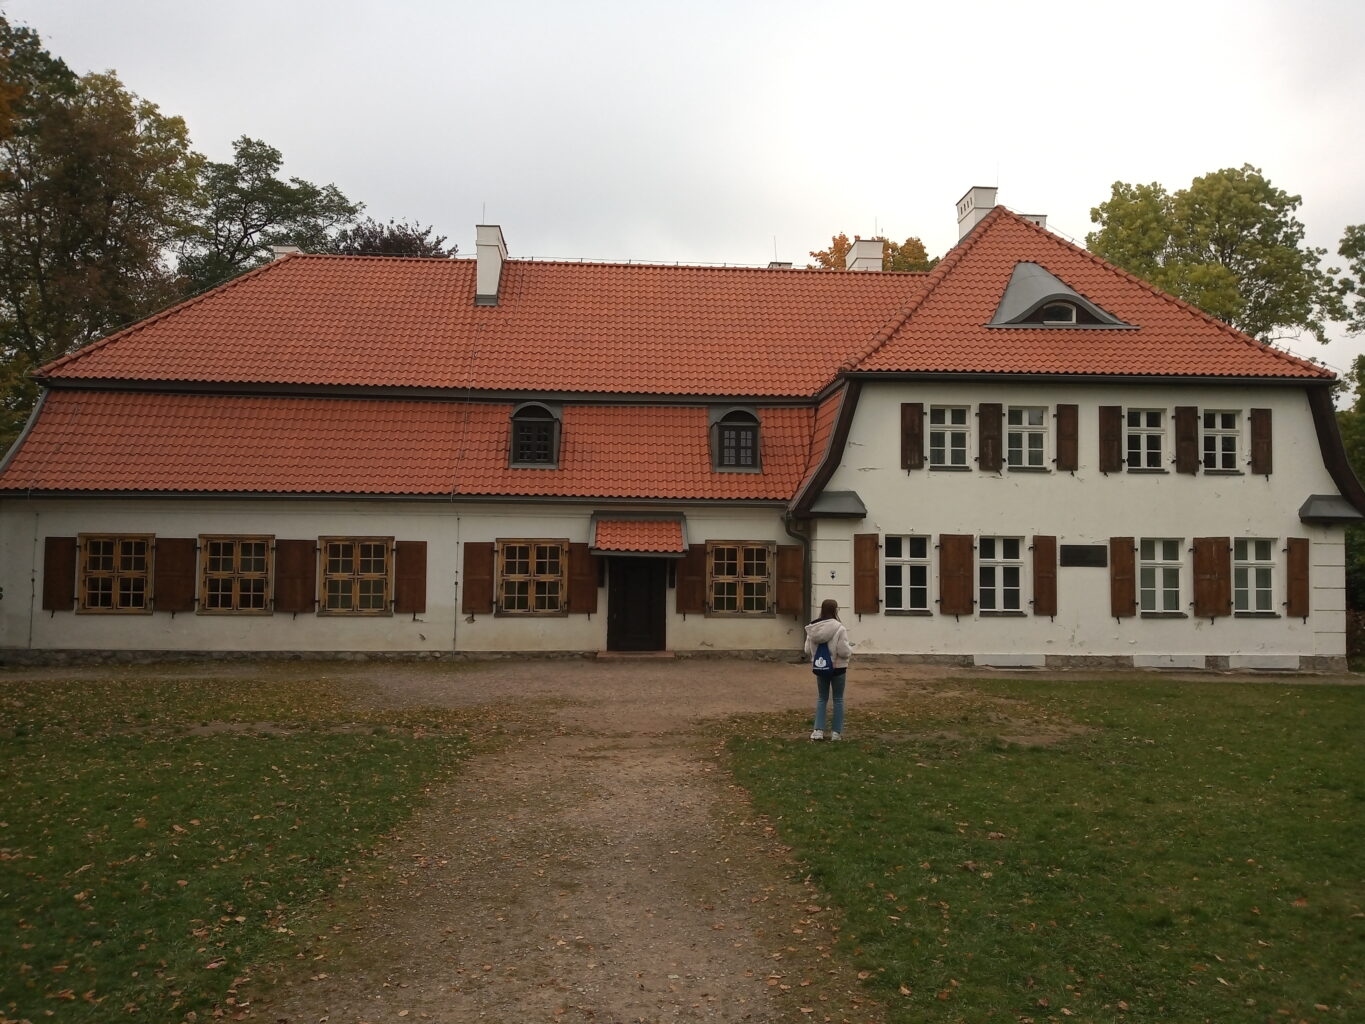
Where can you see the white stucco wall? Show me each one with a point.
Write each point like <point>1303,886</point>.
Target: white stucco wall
<point>25,523</point>
<point>1086,507</point>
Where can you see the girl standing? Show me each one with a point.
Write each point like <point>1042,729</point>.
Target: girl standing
<point>828,630</point>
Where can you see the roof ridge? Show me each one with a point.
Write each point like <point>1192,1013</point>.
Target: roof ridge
<point>155,318</point>
<point>1175,300</point>
<point>935,277</point>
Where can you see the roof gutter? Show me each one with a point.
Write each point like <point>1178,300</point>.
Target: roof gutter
<point>1333,448</point>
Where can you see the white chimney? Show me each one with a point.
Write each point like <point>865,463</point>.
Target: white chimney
<point>779,265</point>
<point>1037,218</point>
<point>973,207</point>
<point>864,254</point>
<point>281,251</point>
<point>491,251</point>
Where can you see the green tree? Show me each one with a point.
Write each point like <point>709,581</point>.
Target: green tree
<point>248,208</point>
<point>1229,244</point>
<point>907,255</point>
<point>96,185</point>
<point>1352,249</point>
<point>1352,424</point>
<point>371,238</point>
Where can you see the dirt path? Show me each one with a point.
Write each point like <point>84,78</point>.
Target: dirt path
<point>599,867</point>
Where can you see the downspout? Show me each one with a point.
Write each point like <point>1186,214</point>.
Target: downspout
<point>790,524</point>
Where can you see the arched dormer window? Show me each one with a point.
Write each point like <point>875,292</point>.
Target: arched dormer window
<point>1058,313</point>
<point>535,435</point>
<point>735,442</point>
<point>1035,297</point>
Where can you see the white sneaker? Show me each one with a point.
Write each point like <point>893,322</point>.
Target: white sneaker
<point>818,734</point>
<point>834,735</point>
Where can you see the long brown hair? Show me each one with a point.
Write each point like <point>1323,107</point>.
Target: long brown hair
<point>829,609</point>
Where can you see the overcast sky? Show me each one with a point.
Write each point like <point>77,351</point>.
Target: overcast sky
<point>741,132</point>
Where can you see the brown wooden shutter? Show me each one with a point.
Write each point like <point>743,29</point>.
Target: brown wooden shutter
<point>296,575</point>
<point>912,435</point>
<point>790,584</point>
<point>1068,438</point>
<point>1212,576</point>
<point>1122,577</point>
<point>1261,451</point>
<point>866,573</point>
<point>409,577</point>
<point>582,580</point>
<point>691,588</point>
<point>1111,438</point>
<point>174,582</point>
<point>476,579</point>
<point>1186,439</point>
<point>955,574</point>
<point>1044,575</point>
<point>1296,575</point>
<point>59,574</point>
<point>990,419</point>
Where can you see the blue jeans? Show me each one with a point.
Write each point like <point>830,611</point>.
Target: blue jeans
<point>825,682</point>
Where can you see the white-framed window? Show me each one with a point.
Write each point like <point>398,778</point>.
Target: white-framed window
<point>1146,438</point>
<point>1026,437</point>
<point>1222,436</point>
<point>1253,575</point>
<point>1159,565</point>
<point>1000,574</point>
<point>905,573</point>
<point>948,436</point>
<point>1059,313</point>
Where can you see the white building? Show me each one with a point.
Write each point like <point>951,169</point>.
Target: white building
<point>1022,457</point>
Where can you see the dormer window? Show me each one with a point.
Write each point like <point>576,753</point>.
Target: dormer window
<point>735,440</point>
<point>1035,297</point>
<point>1059,313</point>
<point>535,435</point>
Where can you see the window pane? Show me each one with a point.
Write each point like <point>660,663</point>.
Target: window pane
<point>893,547</point>
<point>919,547</point>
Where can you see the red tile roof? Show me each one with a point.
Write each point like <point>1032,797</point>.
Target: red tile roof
<point>656,536</point>
<point>559,327</point>
<point>148,442</point>
<point>943,329</point>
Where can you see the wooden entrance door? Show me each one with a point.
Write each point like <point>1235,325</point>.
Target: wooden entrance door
<point>637,601</point>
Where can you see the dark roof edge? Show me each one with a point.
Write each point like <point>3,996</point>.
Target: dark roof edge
<point>838,438</point>
<point>446,498</point>
<point>1334,449</point>
<point>23,434</point>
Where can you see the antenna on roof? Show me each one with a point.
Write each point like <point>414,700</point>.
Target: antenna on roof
<point>774,247</point>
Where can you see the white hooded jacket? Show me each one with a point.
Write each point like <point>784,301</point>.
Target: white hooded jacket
<point>833,633</point>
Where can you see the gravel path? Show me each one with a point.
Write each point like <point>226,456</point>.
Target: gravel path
<point>598,868</point>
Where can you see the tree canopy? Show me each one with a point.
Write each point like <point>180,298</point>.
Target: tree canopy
<point>1229,244</point>
<point>371,238</point>
<point>907,255</point>
<point>247,208</point>
<point>96,186</point>
<point>1352,249</point>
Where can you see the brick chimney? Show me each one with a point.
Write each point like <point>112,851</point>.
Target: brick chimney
<point>973,207</point>
<point>492,252</point>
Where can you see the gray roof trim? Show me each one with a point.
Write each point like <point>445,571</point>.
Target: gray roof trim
<point>839,505</point>
<point>1030,287</point>
<point>1328,508</point>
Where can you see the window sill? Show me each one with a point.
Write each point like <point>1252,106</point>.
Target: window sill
<point>1222,472</point>
<point>113,611</point>
<point>533,465</point>
<point>907,611</point>
<point>1163,615</point>
<point>1029,469</point>
<point>518,614</point>
<point>234,611</point>
<point>1148,472</point>
<point>1256,615</point>
<point>741,615</point>
<point>1002,615</point>
<point>330,614</point>
<point>737,469</point>
<point>950,469</point>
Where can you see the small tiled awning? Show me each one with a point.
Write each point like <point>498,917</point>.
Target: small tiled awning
<point>660,537</point>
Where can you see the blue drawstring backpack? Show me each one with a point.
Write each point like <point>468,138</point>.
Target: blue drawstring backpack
<point>822,660</point>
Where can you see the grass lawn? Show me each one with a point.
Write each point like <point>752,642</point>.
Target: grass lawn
<point>1131,850</point>
<point>159,835</point>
